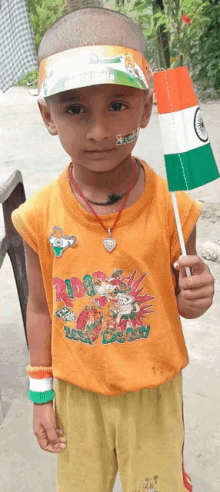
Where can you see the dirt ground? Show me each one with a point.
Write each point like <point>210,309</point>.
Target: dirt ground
<point>26,145</point>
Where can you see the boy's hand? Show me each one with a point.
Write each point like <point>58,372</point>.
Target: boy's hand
<point>196,292</point>
<point>50,438</point>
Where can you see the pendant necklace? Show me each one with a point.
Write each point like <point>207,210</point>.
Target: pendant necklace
<point>109,242</point>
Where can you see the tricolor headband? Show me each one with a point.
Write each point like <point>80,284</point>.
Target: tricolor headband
<point>93,65</point>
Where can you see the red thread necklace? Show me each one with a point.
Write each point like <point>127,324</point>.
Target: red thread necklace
<point>109,242</point>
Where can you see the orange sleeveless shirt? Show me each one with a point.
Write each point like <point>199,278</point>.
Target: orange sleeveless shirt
<point>115,323</point>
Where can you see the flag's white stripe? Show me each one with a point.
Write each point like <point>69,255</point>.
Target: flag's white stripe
<point>178,131</point>
<point>41,385</point>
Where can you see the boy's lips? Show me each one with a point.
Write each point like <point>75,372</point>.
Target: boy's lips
<point>99,151</point>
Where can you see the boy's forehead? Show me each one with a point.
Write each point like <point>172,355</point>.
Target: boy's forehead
<point>111,90</point>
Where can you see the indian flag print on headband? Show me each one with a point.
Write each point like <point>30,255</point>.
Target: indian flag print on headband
<point>92,65</point>
<point>188,155</point>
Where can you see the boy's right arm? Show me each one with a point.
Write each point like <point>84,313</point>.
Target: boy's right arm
<point>39,331</point>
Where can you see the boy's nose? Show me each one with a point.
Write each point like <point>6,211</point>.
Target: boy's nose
<point>99,130</point>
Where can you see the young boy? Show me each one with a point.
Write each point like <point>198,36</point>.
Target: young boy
<point>104,296</point>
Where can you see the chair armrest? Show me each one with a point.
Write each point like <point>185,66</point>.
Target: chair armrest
<point>8,182</point>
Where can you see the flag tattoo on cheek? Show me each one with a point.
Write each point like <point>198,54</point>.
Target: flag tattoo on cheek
<point>127,137</point>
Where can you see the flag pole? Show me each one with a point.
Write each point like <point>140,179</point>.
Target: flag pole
<point>179,229</point>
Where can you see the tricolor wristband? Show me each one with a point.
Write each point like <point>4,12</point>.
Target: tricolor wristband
<point>40,384</point>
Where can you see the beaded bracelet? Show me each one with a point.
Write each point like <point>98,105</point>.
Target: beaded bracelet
<point>40,384</point>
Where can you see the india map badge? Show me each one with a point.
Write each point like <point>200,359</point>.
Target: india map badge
<point>59,242</point>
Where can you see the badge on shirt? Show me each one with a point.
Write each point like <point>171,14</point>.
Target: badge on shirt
<point>59,242</point>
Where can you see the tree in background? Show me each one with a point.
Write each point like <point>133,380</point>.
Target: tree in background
<point>205,51</point>
<point>42,14</point>
<point>162,36</point>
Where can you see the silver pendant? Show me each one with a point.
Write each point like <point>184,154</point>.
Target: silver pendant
<point>109,242</point>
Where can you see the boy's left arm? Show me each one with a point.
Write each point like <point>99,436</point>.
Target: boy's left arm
<point>194,294</point>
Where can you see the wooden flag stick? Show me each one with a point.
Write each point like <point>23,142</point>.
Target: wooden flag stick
<point>179,229</point>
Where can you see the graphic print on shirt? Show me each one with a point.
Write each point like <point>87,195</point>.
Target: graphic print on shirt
<point>59,242</point>
<point>115,308</point>
<point>149,485</point>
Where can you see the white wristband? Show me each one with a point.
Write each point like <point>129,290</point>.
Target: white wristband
<point>40,385</point>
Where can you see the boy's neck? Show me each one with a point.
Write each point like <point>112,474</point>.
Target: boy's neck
<point>116,180</point>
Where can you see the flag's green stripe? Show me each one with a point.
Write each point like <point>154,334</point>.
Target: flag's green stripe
<point>198,167</point>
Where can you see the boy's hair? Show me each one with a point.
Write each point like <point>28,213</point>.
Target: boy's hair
<point>91,26</point>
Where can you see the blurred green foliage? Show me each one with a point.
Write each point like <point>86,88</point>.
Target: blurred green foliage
<point>42,14</point>
<point>29,79</point>
<point>204,52</point>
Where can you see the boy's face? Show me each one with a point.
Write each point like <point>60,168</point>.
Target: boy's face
<point>87,121</point>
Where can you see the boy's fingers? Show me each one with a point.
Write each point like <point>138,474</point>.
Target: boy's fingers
<point>195,263</point>
<point>178,266</point>
<point>52,437</point>
<point>45,442</point>
<point>50,442</point>
<point>59,432</point>
<point>55,442</point>
<point>62,438</point>
<point>182,271</point>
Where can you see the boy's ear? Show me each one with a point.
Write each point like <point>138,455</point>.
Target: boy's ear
<point>45,110</point>
<point>148,103</point>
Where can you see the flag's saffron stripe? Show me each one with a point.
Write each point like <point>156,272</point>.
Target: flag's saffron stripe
<point>178,131</point>
<point>174,90</point>
<point>188,170</point>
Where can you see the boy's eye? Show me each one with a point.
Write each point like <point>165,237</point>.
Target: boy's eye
<point>74,109</point>
<point>117,106</point>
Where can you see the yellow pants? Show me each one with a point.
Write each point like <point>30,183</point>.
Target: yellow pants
<point>139,434</point>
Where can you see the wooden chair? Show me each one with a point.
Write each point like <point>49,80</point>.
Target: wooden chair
<point>12,194</point>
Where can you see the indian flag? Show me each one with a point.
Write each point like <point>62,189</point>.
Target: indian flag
<point>188,155</point>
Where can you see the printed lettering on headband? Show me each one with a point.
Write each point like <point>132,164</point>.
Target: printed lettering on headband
<point>93,65</point>
<point>127,137</point>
